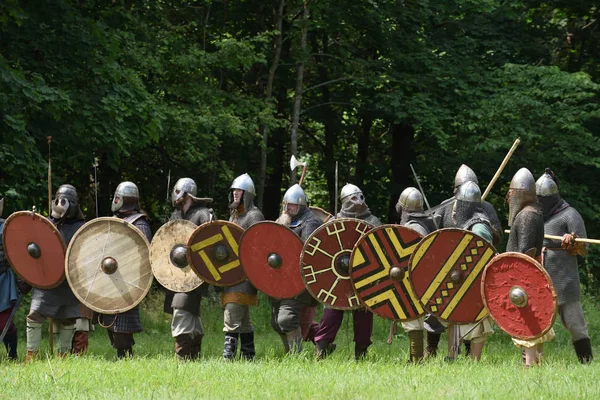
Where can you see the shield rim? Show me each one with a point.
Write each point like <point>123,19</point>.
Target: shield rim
<point>56,233</point>
<point>156,234</point>
<point>410,271</point>
<point>319,229</point>
<point>331,217</point>
<point>79,232</point>
<point>299,270</point>
<point>544,273</point>
<point>189,258</point>
<point>362,239</point>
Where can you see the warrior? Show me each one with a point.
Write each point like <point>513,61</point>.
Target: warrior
<point>121,327</point>
<point>560,260</point>
<point>237,299</point>
<point>186,325</point>
<point>353,206</point>
<point>8,297</point>
<point>526,236</point>
<point>59,304</point>
<point>468,214</point>
<point>411,213</point>
<point>287,314</point>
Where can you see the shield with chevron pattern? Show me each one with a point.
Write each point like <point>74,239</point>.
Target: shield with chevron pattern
<point>379,272</point>
<point>445,273</point>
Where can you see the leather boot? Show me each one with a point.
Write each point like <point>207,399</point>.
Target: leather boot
<point>184,347</point>
<point>122,353</point>
<point>360,352</point>
<point>80,343</point>
<point>467,348</point>
<point>230,346</point>
<point>323,348</point>
<point>196,346</point>
<point>10,342</point>
<point>416,346</point>
<point>433,339</point>
<point>31,356</point>
<point>247,345</point>
<point>583,349</point>
<point>284,340</point>
<point>294,340</point>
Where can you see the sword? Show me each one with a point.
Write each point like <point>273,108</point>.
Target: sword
<point>424,197</point>
<point>336,190</point>
<point>167,199</point>
<point>96,183</point>
<point>11,316</point>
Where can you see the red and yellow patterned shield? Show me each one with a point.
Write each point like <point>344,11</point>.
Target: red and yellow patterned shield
<point>35,249</point>
<point>379,272</point>
<point>519,295</point>
<point>445,273</point>
<point>270,255</point>
<point>326,262</point>
<point>213,253</point>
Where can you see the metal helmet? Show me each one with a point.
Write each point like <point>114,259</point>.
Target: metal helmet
<point>66,202</point>
<point>464,174</point>
<point>521,193</point>
<point>126,197</point>
<point>349,190</point>
<point>245,183</point>
<point>295,195</point>
<point>546,186</point>
<point>470,192</point>
<point>467,204</point>
<point>183,186</point>
<point>410,200</point>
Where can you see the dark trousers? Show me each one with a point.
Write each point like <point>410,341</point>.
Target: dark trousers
<point>332,321</point>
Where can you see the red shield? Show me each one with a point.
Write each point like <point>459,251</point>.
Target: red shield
<point>326,262</point>
<point>35,249</point>
<point>379,272</point>
<point>445,273</point>
<point>270,255</point>
<point>213,253</point>
<point>519,295</point>
<point>321,214</point>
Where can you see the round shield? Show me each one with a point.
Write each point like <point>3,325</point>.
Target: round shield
<point>379,272</point>
<point>168,256</point>
<point>325,262</point>
<point>270,255</point>
<point>108,265</point>
<point>213,253</point>
<point>35,249</point>
<point>445,273</point>
<point>519,295</point>
<point>321,214</point>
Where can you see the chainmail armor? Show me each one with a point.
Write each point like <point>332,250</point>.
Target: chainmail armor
<point>305,223</point>
<point>366,216</point>
<point>527,230</point>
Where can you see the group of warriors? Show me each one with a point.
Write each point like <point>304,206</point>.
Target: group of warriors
<point>535,209</point>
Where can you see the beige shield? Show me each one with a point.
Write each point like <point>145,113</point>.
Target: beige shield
<point>168,256</point>
<point>108,265</point>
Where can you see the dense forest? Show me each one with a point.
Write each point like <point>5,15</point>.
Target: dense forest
<point>215,88</point>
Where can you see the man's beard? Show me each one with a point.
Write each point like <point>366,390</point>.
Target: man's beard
<point>235,204</point>
<point>284,219</point>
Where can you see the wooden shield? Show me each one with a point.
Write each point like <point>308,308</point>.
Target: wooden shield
<point>321,214</point>
<point>379,272</point>
<point>445,273</point>
<point>519,295</point>
<point>108,265</point>
<point>168,256</point>
<point>325,262</point>
<point>270,256</point>
<point>35,249</point>
<point>213,253</point>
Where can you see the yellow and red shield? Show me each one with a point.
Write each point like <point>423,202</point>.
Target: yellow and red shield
<point>326,262</point>
<point>519,295</point>
<point>35,249</point>
<point>213,253</point>
<point>379,272</point>
<point>445,273</point>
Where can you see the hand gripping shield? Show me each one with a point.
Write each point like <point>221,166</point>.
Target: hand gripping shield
<point>445,273</point>
<point>270,256</point>
<point>519,295</point>
<point>379,272</point>
<point>325,262</point>
<point>108,265</point>
<point>168,256</point>
<point>213,253</point>
<point>35,249</point>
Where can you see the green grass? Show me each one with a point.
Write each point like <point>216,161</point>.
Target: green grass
<point>155,373</point>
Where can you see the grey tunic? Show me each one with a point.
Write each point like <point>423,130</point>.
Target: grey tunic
<point>443,214</point>
<point>527,230</point>
<point>58,303</point>
<point>199,214</point>
<point>562,266</point>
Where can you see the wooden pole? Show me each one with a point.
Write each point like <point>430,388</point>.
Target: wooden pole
<point>497,175</point>
<point>554,237</point>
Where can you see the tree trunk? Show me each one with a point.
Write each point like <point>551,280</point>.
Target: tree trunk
<point>403,136</point>
<point>362,154</point>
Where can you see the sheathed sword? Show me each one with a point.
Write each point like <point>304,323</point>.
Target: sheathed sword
<point>11,317</point>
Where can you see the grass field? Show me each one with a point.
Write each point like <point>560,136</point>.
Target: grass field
<point>155,373</point>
